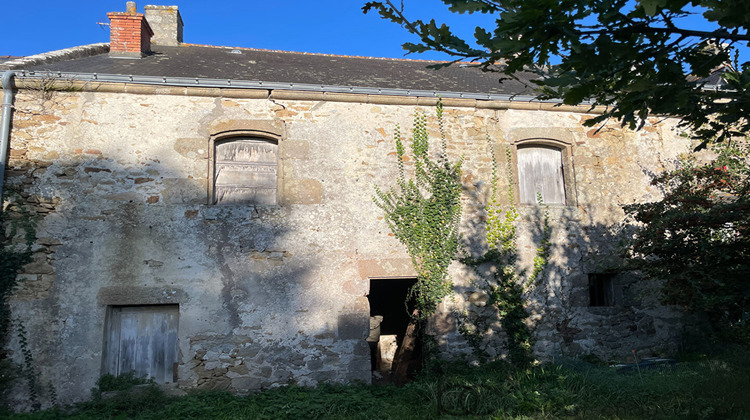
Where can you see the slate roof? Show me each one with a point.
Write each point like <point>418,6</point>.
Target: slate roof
<point>4,58</point>
<point>196,61</point>
<point>715,80</point>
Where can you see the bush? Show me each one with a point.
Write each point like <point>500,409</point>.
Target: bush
<point>123,382</point>
<point>697,238</point>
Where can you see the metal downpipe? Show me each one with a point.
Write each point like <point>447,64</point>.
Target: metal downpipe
<point>7,81</point>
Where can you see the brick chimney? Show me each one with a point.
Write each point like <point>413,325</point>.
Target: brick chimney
<point>166,23</point>
<point>130,35</point>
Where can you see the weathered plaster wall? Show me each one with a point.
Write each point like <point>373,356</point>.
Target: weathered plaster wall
<point>275,295</point>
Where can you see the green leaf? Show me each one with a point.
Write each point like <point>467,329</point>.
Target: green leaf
<point>651,7</point>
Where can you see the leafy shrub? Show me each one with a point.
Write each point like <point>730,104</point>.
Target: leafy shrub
<point>123,382</point>
<point>697,238</point>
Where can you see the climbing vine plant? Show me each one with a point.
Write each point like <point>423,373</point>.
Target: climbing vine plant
<point>17,234</point>
<point>505,286</point>
<point>423,211</point>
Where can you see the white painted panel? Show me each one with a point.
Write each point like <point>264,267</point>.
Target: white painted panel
<point>246,150</point>
<point>246,171</point>
<point>540,170</point>
<point>228,175</point>
<point>235,195</point>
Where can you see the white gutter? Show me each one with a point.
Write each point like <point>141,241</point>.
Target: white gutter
<point>253,84</point>
<point>7,81</point>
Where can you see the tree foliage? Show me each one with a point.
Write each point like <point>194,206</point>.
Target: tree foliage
<point>697,237</point>
<point>630,56</point>
<point>424,211</point>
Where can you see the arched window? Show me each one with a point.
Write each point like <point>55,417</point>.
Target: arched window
<point>540,170</point>
<point>245,171</point>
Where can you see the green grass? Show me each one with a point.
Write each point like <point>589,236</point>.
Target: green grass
<point>702,388</point>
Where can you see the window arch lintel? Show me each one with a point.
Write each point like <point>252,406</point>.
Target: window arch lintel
<point>230,135</point>
<point>543,141</point>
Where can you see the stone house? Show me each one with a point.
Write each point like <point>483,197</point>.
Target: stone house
<point>205,214</point>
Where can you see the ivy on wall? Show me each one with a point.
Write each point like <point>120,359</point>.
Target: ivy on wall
<point>16,238</point>
<point>423,211</point>
<point>504,285</point>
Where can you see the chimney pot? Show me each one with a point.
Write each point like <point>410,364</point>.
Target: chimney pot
<point>130,8</point>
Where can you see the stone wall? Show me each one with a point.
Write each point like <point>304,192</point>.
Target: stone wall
<point>275,295</point>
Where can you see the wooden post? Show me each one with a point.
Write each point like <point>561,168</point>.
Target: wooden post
<point>403,359</point>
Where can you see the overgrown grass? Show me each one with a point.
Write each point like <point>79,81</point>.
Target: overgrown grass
<point>716,388</point>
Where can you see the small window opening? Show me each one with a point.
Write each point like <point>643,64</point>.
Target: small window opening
<point>389,319</point>
<point>601,289</point>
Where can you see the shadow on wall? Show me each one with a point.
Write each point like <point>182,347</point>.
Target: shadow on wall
<point>117,231</point>
<point>583,302</point>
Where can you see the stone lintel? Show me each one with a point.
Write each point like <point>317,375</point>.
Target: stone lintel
<point>129,295</point>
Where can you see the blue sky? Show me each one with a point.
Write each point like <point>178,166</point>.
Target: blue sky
<point>317,26</point>
<point>320,26</point>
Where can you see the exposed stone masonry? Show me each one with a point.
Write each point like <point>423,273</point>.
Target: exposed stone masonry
<point>119,175</point>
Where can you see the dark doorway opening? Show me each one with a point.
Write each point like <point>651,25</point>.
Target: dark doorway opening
<point>389,317</point>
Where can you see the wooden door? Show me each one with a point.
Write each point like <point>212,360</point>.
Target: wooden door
<point>143,340</point>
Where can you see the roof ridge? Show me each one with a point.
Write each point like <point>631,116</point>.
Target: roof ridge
<point>57,55</point>
<point>187,44</point>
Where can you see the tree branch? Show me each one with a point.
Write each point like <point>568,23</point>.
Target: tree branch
<point>674,30</point>
<point>434,44</point>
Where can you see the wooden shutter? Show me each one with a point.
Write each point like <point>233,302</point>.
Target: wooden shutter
<point>540,170</point>
<point>245,171</point>
<point>143,339</point>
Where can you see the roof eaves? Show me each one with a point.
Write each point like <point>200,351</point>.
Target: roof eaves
<point>56,56</point>
<point>256,84</point>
